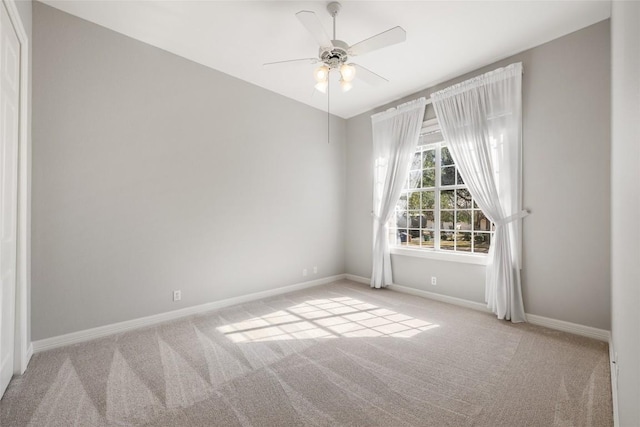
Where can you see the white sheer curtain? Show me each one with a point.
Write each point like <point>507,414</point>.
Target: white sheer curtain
<point>395,136</point>
<point>481,121</point>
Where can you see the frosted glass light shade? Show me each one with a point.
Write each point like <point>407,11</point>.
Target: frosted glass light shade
<point>345,85</point>
<point>321,74</point>
<point>348,72</point>
<point>322,86</point>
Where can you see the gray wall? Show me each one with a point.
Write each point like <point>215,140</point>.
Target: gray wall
<point>152,173</point>
<point>625,206</point>
<point>566,150</point>
<point>24,9</point>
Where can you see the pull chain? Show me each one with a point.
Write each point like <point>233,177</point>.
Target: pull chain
<point>328,106</point>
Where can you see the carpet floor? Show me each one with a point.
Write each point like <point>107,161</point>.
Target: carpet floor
<point>336,355</point>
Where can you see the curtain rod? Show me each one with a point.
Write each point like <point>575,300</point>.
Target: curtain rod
<point>427,102</point>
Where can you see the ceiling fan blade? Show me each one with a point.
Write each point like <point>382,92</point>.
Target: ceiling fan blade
<point>307,60</point>
<point>387,38</point>
<point>313,25</point>
<point>368,76</point>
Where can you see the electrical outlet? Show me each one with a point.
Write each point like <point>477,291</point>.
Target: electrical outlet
<point>177,295</point>
<point>433,280</point>
<point>315,269</point>
<point>305,272</point>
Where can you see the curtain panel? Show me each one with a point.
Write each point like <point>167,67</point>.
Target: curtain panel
<point>395,136</point>
<point>481,121</point>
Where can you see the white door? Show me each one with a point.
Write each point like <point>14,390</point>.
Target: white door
<point>9,101</point>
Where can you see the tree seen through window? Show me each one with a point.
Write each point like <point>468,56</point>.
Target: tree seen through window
<point>435,210</point>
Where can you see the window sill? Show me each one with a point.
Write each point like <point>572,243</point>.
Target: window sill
<point>440,255</point>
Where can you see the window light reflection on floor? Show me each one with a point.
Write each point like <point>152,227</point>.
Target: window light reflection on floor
<point>326,318</point>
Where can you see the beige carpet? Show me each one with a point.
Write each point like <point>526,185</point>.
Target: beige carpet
<point>341,354</point>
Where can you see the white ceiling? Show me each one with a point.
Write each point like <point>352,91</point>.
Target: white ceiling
<point>444,38</point>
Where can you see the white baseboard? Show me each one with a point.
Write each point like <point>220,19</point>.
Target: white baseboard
<point>559,325</point>
<point>27,358</point>
<point>115,328</point>
<point>425,294</point>
<point>22,358</point>
<point>358,279</point>
<point>573,328</point>
<point>614,382</point>
<point>6,373</point>
<point>439,297</point>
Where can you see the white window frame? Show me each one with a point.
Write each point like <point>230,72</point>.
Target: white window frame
<point>438,254</point>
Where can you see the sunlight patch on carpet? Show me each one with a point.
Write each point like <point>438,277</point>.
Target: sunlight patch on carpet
<point>326,318</point>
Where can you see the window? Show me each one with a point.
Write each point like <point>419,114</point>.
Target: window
<point>435,210</point>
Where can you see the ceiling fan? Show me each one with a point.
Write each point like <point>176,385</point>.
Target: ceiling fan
<point>334,54</point>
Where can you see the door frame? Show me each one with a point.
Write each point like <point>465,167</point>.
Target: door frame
<point>23,349</point>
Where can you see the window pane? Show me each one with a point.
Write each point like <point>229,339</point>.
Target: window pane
<point>415,218</point>
<point>448,176</point>
<point>428,239</point>
<point>463,241</point>
<point>463,198</point>
<point>403,237</point>
<point>447,240</point>
<point>480,221</point>
<point>415,179</point>
<point>482,242</point>
<point>428,200</point>
<point>416,163</point>
<point>446,156</point>
<point>414,201</point>
<point>428,220</point>
<point>401,220</point>
<point>429,159</point>
<point>462,225</point>
<point>446,199</point>
<point>413,237</point>
<point>446,220</point>
<point>429,178</point>
<point>463,220</point>
<point>402,202</point>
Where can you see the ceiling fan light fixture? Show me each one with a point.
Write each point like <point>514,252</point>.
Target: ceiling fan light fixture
<point>333,54</point>
<point>321,74</point>
<point>322,86</point>
<point>348,72</point>
<point>345,85</point>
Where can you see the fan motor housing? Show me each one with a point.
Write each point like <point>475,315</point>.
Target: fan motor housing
<point>335,56</point>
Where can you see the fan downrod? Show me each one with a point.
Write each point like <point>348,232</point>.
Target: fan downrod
<point>338,53</point>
